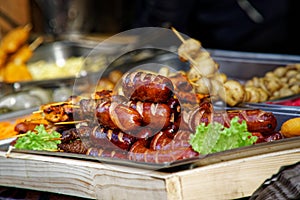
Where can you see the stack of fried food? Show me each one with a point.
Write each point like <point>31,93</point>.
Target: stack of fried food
<point>281,82</point>
<point>205,78</point>
<point>14,53</point>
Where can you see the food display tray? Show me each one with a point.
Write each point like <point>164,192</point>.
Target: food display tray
<point>226,175</point>
<point>202,160</point>
<point>229,174</point>
<point>241,168</point>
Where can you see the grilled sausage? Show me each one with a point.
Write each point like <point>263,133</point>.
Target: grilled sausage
<point>107,153</point>
<point>104,137</point>
<point>162,148</point>
<point>256,120</point>
<point>142,86</point>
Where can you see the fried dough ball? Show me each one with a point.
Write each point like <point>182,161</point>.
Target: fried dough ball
<point>272,84</point>
<point>105,84</point>
<point>285,91</point>
<point>202,85</point>
<point>205,66</point>
<point>233,93</point>
<point>15,38</point>
<point>263,95</point>
<point>295,88</point>
<point>190,47</point>
<point>280,71</point>
<point>14,72</point>
<point>291,127</point>
<point>252,94</point>
<point>221,77</point>
<point>115,76</point>
<point>3,57</point>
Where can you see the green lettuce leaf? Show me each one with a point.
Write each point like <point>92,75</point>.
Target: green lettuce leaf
<point>39,140</point>
<point>215,137</point>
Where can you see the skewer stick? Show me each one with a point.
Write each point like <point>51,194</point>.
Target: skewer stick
<point>10,148</point>
<point>58,103</point>
<point>193,62</point>
<point>70,122</point>
<point>37,42</point>
<point>37,112</point>
<point>178,35</point>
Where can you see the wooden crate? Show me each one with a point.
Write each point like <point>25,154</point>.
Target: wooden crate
<point>91,179</point>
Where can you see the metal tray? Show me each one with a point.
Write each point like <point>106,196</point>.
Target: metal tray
<point>202,160</point>
<point>245,65</point>
<point>236,65</point>
<point>232,64</point>
<point>253,150</point>
<point>54,52</point>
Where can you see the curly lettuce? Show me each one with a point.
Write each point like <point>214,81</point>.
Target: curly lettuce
<point>39,139</point>
<point>215,137</point>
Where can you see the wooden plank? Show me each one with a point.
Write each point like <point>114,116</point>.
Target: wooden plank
<point>79,178</point>
<point>236,178</point>
<point>225,180</point>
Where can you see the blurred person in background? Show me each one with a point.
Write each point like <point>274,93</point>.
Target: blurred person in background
<point>243,25</point>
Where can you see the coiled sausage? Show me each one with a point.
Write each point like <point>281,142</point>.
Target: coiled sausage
<point>142,86</point>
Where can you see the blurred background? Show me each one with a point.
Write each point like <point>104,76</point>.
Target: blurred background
<point>242,25</point>
<point>68,16</point>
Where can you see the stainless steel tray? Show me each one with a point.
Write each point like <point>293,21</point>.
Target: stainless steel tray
<point>202,160</point>
<point>238,65</point>
<point>245,65</point>
<point>253,150</point>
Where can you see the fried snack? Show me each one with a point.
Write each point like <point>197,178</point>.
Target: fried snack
<point>7,130</point>
<point>14,72</point>
<point>24,53</point>
<point>291,127</point>
<point>3,57</point>
<point>15,38</point>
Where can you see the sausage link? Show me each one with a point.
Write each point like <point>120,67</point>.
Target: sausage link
<point>256,120</point>
<point>125,118</point>
<point>142,86</point>
<point>134,116</point>
<point>155,115</point>
<point>162,141</point>
<point>162,148</point>
<point>103,115</point>
<point>273,136</point>
<point>104,137</point>
<point>139,152</point>
<point>107,153</point>
<point>159,141</point>
<point>23,127</point>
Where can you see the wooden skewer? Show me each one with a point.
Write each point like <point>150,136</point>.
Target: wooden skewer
<point>37,112</point>
<point>28,27</point>
<point>178,35</point>
<point>17,136</point>
<point>191,59</point>
<point>10,148</point>
<point>69,122</point>
<point>37,42</point>
<point>193,62</point>
<point>58,103</point>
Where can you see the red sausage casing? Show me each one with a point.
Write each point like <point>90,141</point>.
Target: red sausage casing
<point>256,120</point>
<point>142,86</point>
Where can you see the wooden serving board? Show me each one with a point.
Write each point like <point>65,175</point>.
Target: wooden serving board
<point>230,179</point>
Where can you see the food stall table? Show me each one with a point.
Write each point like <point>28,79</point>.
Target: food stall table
<point>229,179</point>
